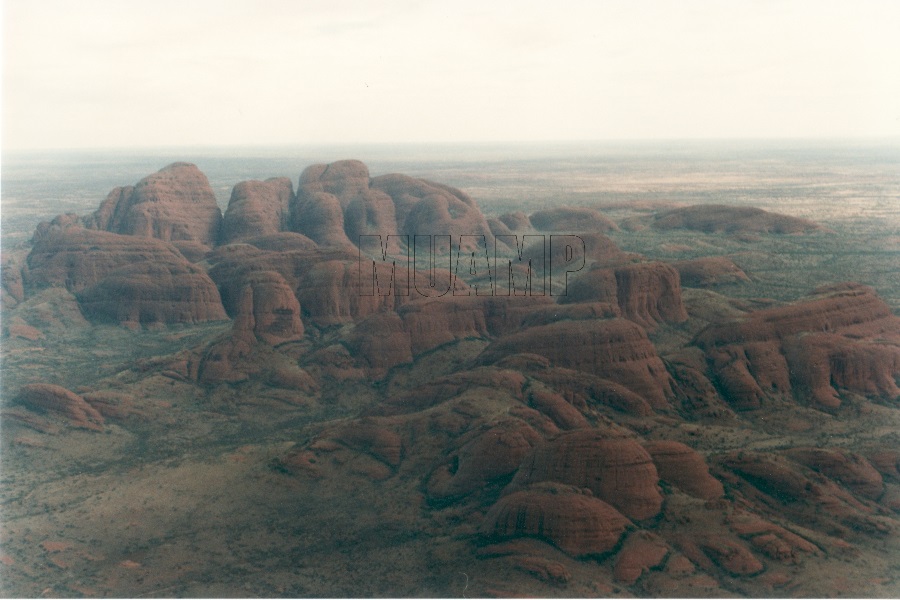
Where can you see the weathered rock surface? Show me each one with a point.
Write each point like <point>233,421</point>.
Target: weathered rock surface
<point>76,258</point>
<point>614,349</point>
<point>59,401</point>
<point>270,309</point>
<point>153,293</point>
<point>483,457</point>
<point>843,337</point>
<point>174,204</point>
<point>641,552</point>
<point>257,208</point>
<point>577,523</point>
<point>647,293</point>
<point>682,466</point>
<point>716,218</point>
<point>849,468</point>
<point>616,470</point>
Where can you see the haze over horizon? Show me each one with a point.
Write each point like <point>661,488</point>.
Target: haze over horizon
<point>109,74</point>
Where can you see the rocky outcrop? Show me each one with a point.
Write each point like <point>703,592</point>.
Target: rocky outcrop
<point>516,221</point>
<point>641,552</point>
<point>572,220</point>
<point>60,402</point>
<point>257,208</point>
<point>174,204</point>
<point>646,293</point>
<point>844,337</point>
<point>11,284</point>
<point>485,456</point>
<point>618,471</point>
<point>683,467</point>
<point>153,293</point>
<point>850,469</point>
<point>77,258</point>
<point>709,271</point>
<point>270,309</point>
<point>614,349</point>
<point>577,523</point>
<point>716,218</point>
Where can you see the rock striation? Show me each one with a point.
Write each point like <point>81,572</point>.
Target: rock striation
<point>844,337</point>
<point>616,470</point>
<point>257,208</point>
<point>614,349</point>
<point>175,204</point>
<point>577,523</point>
<point>55,400</point>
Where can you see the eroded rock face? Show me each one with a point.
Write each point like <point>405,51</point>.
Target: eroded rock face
<point>613,349</point>
<point>647,293</point>
<point>844,337</point>
<point>270,308</point>
<point>486,456</point>
<point>577,523</point>
<point>153,293</point>
<point>11,283</point>
<point>257,208</point>
<point>715,218</point>
<point>59,401</point>
<point>849,468</point>
<point>684,467</point>
<point>76,258</point>
<point>174,204</point>
<point>616,470</point>
<point>641,552</point>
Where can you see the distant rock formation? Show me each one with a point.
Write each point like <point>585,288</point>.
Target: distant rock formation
<point>175,204</point>
<point>717,218</point>
<point>709,271</point>
<point>572,220</point>
<point>257,208</point>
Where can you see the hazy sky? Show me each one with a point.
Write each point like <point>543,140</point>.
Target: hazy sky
<point>103,73</point>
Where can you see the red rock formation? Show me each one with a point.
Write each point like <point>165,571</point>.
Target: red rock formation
<point>174,204</point>
<point>770,539</point>
<point>772,475</point>
<point>849,468</point>
<point>685,468</point>
<point>555,406</point>
<point>576,523</point>
<point>271,308</point>
<point>732,555</point>
<point>150,293</point>
<point>282,242</point>
<point>646,293</point>
<point>844,337</point>
<point>381,342</point>
<point>616,470</point>
<point>642,551</point>
<point>709,271</point>
<point>48,398</point>
<point>344,179</point>
<point>583,389</point>
<point>257,208</point>
<point>427,208</point>
<point>434,322</point>
<point>77,258</point>
<point>372,438</point>
<point>320,217</point>
<point>614,349</point>
<point>715,218</point>
<point>444,388</point>
<point>484,456</point>
<point>572,220</point>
